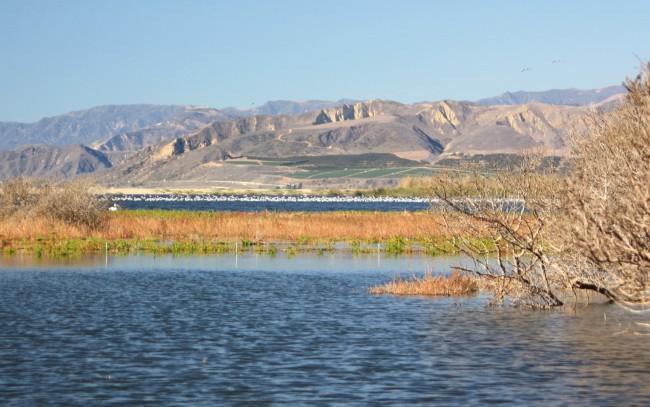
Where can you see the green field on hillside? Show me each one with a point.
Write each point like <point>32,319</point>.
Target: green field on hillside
<point>369,166</point>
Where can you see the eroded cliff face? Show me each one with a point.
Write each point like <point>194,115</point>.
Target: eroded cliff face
<point>217,132</point>
<point>356,111</point>
<point>421,132</point>
<point>524,122</point>
<point>443,114</point>
<point>188,122</point>
<point>425,130</point>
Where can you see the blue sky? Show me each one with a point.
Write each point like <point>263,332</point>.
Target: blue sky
<point>58,56</point>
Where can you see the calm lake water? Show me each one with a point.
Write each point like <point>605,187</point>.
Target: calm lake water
<point>272,204</point>
<point>254,330</point>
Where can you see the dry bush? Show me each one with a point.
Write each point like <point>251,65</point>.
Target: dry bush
<point>455,284</point>
<point>589,231</point>
<point>607,200</point>
<point>16,195</point>
<point>71,203</point>
<point>513,210</point>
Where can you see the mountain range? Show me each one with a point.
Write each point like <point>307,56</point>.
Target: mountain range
<point>571,97</point>
<point>271,144</point>
<point>421,133</point>
<point>285,107</point>
<point>52,161</point>
<point>109,127</point>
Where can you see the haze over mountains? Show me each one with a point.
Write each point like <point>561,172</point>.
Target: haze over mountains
<point>150,143</point>
<point>285,107</point>
<point>85,126</point>
<point>571,97</point>
<point>96,126</point>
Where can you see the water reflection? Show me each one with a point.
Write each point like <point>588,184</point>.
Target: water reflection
<point>219,330</point>
<point>310,263</point>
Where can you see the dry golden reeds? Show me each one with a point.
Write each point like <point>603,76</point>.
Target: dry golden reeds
<point>454,284</point>
<point>265,226</point>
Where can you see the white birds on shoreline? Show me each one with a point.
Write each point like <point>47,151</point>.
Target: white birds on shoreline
<point>267,198</point>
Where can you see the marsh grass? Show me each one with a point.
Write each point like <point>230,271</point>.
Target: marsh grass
<point>182,232</point>
<point>72,247</point>
<point>454,284</point>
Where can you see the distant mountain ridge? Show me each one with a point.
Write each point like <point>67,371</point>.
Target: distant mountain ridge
<point>186,121</point>
<point>421,133</point>
<point>570,97</point>
<point>85,126</point>
<point>139,143</point>
<point>132,127</point>
<point>285,107</point>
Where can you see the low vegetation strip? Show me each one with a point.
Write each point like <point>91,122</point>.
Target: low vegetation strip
<point>212,232</point>
<point>68,219</point>
<point>282,226</point>
<point>454,284</point>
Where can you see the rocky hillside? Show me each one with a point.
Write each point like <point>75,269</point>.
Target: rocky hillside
<point>142,143</point>
<point>183,123</point>
<point>96,125</point>
<point>424,133</point>
<point>52,162</point>
<point>132,127</point>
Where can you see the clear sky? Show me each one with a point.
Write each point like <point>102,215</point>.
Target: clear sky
<point>58,56</point>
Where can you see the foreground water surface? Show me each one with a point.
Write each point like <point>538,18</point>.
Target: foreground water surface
<point>260,330</point>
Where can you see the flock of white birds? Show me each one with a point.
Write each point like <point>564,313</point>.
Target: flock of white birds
<point>264,198</point>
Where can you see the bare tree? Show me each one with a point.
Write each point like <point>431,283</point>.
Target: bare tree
<point>549,236</point>
<point>511,211</point>
<point>607,199</point>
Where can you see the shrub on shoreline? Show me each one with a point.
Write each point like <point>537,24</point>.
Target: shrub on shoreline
<point>589,230</point>
<point>72,203</point>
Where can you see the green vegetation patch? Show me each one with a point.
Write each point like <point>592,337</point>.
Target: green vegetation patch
<point>338,161</point>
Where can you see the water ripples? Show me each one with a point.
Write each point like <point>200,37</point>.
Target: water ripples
<point>206,337</point>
